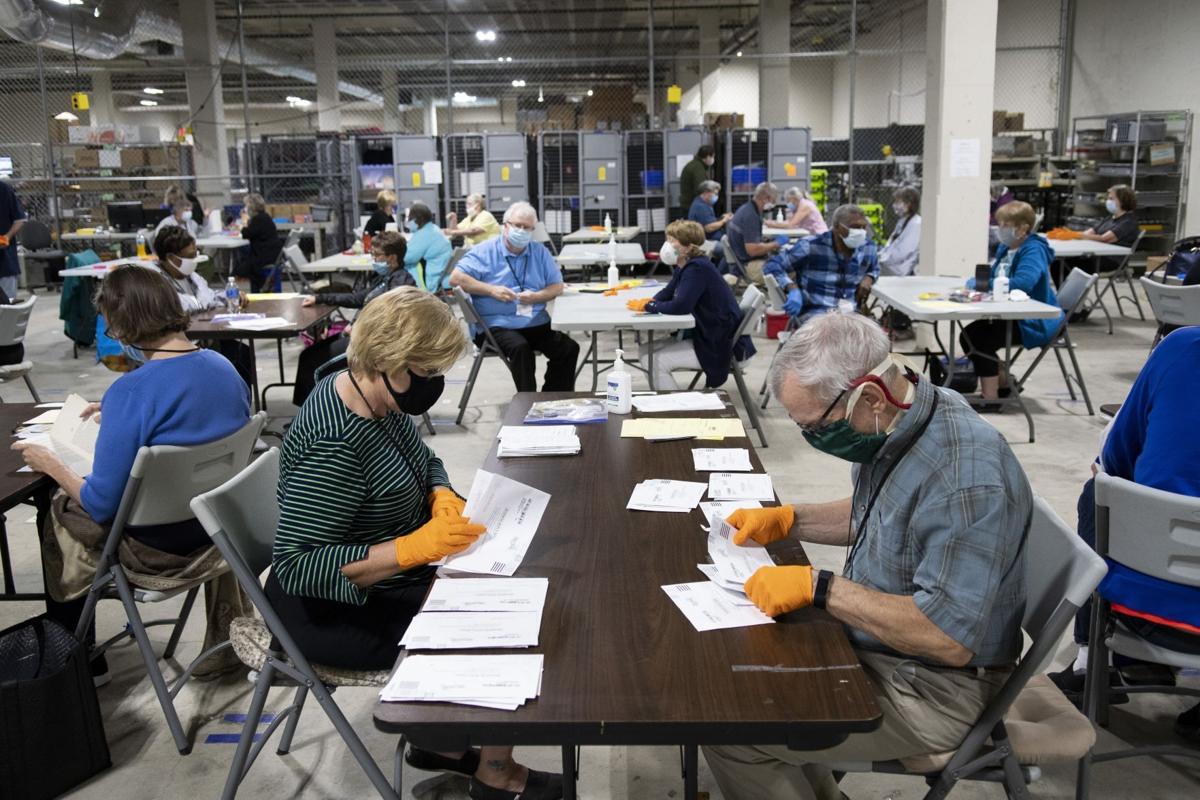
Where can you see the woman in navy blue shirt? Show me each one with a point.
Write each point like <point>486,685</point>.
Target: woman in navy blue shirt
<point>696,288</point>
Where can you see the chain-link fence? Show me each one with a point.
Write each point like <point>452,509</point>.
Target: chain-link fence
<point>342,101</point>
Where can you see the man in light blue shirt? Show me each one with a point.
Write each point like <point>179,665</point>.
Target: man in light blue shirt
<point>510,279</point>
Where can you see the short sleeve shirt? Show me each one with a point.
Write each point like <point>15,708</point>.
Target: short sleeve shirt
<point>1124,227</point>
<point>703,213</point>
<point>532,270</point>
<point>745,228</point>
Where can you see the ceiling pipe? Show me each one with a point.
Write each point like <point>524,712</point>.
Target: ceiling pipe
<point>125,25</point>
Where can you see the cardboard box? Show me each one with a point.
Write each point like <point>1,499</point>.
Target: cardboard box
<point>156,158</point>
<point>1014,121</point>
<point>87,158</point>
<point>998,119</point>
<point>1162,154</point>
<point>725,121</point>
<point>113,134</point>
<point>60,130</point>
<point>1155,262</point>
<point>1003,146</point>
<point>133,158</point>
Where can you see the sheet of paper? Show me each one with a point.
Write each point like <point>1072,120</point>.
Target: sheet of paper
<point>74,439</point>
<point>511,511</point>
<point>461,630</point>
<point>942,305</point>
<point>537,440</point>
<point>665,495</point>
<point>736,486</point>
<point>431,171</point>
<point>737,592</point>
<point>45,418</point>
<point>678,401</point>
<point>723,508</point>
<point>716,428</point>
<point>504,681</point>
<point>735,563</point>
<point>487,594</point>
<point>964,158</point>
<point>49,405</point>
<point>264,324</point>
<point>708,607</point>
<point>681,161</point>
<point>721,459</point>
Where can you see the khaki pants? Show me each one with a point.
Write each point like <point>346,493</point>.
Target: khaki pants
<point>754,271</point>
<point>925,710</point>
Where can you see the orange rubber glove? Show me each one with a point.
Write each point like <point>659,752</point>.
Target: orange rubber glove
<point>639,304</point>
<point>438,538</point>
<point>778,590</point>
<point>3,240</point>
<point>763,525</point>
<point>443,502</point>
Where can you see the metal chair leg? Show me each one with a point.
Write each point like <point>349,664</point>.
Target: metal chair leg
<point>180,622</point>
<point>748,402</point>
<point>1062,368</point>
<point>285,741</point>
<point>353,743</point>
<point>468,388</point>
<point>237,770</point>
<point>33,391</point>
<point>1087,400</point>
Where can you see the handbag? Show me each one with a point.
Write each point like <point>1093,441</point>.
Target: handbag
<point>964,380</point>
<point>51,732</point>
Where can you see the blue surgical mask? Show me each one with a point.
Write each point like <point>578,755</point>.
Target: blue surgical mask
<point>381,267</point>
<point>713,201</point>
<point>134,354</point>
<point>519,237</point>
<point>1006,235</point>
<point>791,207</point>
<point>411,225</point>
<point>855,238</point>
<point>1111,205</point>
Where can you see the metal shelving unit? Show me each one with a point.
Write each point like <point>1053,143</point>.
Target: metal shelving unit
<point>782,156</point>
<point>493,164</point>
<point>558,182</point>
<point>1121,148</point>
<point>651,188</point>
<point>601,156</point>
<point>403,158</point>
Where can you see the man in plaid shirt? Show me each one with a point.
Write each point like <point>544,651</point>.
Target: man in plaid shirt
<point>821,271</point>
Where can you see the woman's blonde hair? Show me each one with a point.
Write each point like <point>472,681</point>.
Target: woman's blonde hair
<point>385,200</point>
<point>255,203</point>
<point>405,327</point>
<point>689,234</point>
<point>1017,212</point>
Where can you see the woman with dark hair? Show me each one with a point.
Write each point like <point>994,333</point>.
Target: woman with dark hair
<point>900,255</point>
<point>264,244</point>
<point>694,173</point>
<point>1119,228</point>
<point>177,260</point>
<point>180,394</point>
<point>428,249</point>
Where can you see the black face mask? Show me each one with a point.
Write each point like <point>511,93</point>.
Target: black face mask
<point>422,393</point>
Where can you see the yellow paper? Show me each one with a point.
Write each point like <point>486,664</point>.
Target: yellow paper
<point>789,169</point>
<point>504,173</point>
<point>714,428</point>
<point>257,296</point>
<point>601,173</point>
<point>416,178</point>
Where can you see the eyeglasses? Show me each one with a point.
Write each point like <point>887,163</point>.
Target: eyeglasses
<point>817,427</point>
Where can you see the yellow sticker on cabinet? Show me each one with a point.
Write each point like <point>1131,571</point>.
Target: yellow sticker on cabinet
<point>789,169</point>
<point>416,178</point>
<point>601,173</point>
<point>504,173</point>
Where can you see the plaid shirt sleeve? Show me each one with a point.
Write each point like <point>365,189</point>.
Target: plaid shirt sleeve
<point>959,573</point>
<point>870,262</point>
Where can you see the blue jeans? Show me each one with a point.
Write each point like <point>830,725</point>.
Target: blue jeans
<point>1087,531</point>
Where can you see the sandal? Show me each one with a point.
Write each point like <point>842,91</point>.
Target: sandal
<point>538,786</point>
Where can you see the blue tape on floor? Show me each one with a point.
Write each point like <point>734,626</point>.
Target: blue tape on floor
<point>240,719</point>
<point>227,738</point>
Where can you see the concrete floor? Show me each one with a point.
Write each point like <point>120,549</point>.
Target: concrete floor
<point>146,764</point>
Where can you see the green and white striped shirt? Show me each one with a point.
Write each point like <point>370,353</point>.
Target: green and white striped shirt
<point>346,483</point>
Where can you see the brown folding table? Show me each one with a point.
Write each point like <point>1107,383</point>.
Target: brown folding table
<point>623,666</point>
<point>16,488</point>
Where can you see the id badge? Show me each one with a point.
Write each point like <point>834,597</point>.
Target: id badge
<point>524,310</point>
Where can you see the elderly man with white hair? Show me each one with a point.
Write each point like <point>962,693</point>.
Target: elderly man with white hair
<point>932,591</point>
<point>511,279</point>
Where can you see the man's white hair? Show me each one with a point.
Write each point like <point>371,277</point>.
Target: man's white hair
<point>520,210</point>
<point>474,198</point>
<point>828,352</point>
<point>766,189</point>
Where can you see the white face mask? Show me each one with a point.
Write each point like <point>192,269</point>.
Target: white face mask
<point>187,266</point>
<point>855,238</point>
<point>667,254</point>
<point>900,209</point>
<point>768,206</point>
<point>187,216</point>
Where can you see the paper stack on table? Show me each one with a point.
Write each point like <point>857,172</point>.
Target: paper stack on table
<point>723,508</point>
<point>511,511</point>
<point>487,594</point>
<point>464,613</point>
<point>722,459</point>
<point>716,428</point>
<point>732,486</point>
<point>537,440</point>
<point>735,563</point>
<point>503,682</point>
<point>709,607</point>
<point>737,591</point>
<point>678,401</point>
<point>665,495</point>
<point>264,324</point>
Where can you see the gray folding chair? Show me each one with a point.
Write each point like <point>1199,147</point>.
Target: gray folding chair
<point>487,346</point>
<point>294,259</point>
<point>14,319</point>
<point>1071,296</point>
<point>1172,305</point>
<point>1123,272</point>
<point>730,258</point>
<point>775,298</point>
<point>241,516</point>
<point>1029,722</point>
<point>163,479</point>
<point>1152,532</point>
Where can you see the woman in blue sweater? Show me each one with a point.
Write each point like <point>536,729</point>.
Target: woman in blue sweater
<point>180,394</point>
<point>696,288</point>
<point>1026,259</point>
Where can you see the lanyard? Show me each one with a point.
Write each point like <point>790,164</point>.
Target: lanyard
<point>386,430</point>
<point>883,481</point>
<point>512,267</point>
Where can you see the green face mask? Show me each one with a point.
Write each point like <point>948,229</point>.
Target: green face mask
<point>840,440</point>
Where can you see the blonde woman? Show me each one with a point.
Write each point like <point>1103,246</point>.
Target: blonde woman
<point>696,288</point>
<point>264,244</point>
<point>366,508</point>
<point>385,212</point>
<point>802,212</point>
<point>477,226</point>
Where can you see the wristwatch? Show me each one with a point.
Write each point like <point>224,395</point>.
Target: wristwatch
<point>821,592</point>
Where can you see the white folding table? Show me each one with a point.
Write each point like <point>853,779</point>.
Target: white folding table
<point>1082,248</point>
<point>623,234</point>
<point>791,233</point>
<point>904,295</point>
<point>592,313</point>
<point>587,256</point>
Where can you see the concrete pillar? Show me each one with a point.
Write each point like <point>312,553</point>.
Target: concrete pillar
<point>103,109</point>
<point>960,76</point>
<point>429,119</point>
<point>774,74</point>
<point>324,39</point>
<point>202,53</point>
<point>391,100</point>
<point>710,66</point>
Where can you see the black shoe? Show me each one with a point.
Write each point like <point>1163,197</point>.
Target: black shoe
<point>538,786</point>
<point>987,407</point>
<point>432,762</point>
<point>1187,724</point>
<point>1071,683</point>
<point>1144,673</point>
<point>100,673</point>
<point>1080,316</point>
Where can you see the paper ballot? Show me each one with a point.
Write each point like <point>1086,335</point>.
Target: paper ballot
<point>681,427</point>
<point>493,681</point>
<point>537,440</point>
<point>665,495</point>
<point>511,511</point>
<point>678,401</point>
<point>708,607</point>
<point>460,630</point>
<point>731,486</point>
<point>723,508</point>
<point>722,459</point>
<point>737,591</point>
<point>74,439</point>
<point>487,594</point>
<point>735,563</point>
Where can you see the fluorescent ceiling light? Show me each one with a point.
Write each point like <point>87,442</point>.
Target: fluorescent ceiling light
<point>518,83</point>
<point>96,12</point>
<point>152,90</point>
<point>148,102</point>
<point>297,102</point>
<point>590,92</point>
<point>485,35</point>
<point>541,97</point>
<point>739,53</point>
<point>463,97</point>
<point>66,115</point>
<point>68,2</point>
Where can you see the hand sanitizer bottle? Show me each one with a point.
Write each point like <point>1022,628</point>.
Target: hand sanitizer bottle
<point>607,223</point>
<point>1000,285</point>
<point>614,275</point>
<point>620,388</point>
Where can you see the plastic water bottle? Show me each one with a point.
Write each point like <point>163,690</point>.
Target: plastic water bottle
<point>614,275</point>
<point>619,398</point>
<point>142,252</point>
<point>779,215</point>
<point>1000,285</point>
<point>607,223</point>
<point>233,298</point>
